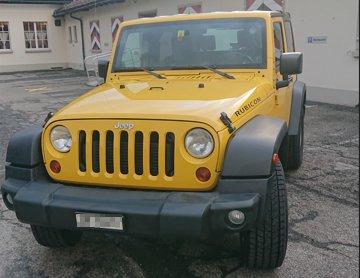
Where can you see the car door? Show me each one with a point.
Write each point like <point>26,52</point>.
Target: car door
<point>283,95</point>
<point>290,47</point>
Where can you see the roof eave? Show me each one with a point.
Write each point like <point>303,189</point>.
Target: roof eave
<point>84,7</point>
<point>55,2</point>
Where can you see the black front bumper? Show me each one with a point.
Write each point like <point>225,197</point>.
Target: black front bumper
<point>154,213</point>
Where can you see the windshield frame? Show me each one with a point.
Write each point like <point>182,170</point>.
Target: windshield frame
<point>262,66</point>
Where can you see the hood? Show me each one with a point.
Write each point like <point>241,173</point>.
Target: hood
<point>180,100</point>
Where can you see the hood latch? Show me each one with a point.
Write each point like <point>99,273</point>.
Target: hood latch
<point>227,122</point>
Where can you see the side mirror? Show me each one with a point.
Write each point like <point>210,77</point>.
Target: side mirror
<point>103,68</point>
<point>291,63</point>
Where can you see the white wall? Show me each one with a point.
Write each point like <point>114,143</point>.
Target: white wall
<point>129,10</point>
<point>330,70</point>
<point>330,65</point>
<point>19,59</point>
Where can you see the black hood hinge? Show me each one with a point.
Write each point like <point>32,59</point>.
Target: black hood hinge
<point>227,122</point>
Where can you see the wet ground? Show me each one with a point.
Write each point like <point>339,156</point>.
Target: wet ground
<point>323,200</point>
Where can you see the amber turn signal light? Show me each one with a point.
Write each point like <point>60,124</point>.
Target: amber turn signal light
<point>55,166</point>
<point>203,174</point>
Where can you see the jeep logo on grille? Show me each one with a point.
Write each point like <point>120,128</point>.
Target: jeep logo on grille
<point>124,126</point>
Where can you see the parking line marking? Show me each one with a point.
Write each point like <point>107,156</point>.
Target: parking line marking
<point>32,90</point>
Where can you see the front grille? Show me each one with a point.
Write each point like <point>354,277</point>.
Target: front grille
<point>126,152</point>
<point>95,152</point>
<point>154,153</point>
<point>110,152</point>
<point>82,151</point>
<point>138,147</point>
<point>169,154</point>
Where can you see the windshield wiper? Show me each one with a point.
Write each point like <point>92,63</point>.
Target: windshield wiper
<point>150,71</point>
<point>219,72</point>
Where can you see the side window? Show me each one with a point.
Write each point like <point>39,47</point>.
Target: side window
<point>70,35</point>
<point>75,39</point>
<point>279,43</point>
<point>4,36</point>
<point>289,37</point>
<point>35,35</point>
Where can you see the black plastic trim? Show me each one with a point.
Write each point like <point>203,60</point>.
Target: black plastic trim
<point>250,150</point>
<point>24,148</point>
<point>153,213</point>
<point>297,103</point>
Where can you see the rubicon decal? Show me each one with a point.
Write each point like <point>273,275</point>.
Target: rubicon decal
<point>250,105</point>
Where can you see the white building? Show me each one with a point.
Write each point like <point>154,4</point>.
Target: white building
<point>326,31</point>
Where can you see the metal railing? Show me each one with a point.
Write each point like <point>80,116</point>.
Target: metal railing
<point>91,67</point>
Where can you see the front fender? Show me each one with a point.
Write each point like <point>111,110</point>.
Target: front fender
<point>251,148</point>
<point>298,100</point>
<point>24,154</point>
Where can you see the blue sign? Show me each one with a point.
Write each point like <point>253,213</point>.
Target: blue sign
<point>317,39</point>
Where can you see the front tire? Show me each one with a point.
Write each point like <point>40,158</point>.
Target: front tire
<point>265,246</point>
<point>55,238</point>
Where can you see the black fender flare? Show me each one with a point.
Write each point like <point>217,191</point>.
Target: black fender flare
<point>251,148</point>
<point>24,149</point>
<point>298,100</point>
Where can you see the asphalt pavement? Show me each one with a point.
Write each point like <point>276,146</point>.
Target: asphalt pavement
<point>323,204</point>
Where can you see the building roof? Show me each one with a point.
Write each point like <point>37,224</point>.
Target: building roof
<point>82,5</point>
<point>60,2</point>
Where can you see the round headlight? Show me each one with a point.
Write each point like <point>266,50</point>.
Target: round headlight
<point>60,138</point>
<point>199,143</point>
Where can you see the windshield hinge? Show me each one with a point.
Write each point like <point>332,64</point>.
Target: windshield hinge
<point>227,122</point>
<point>48,117</point>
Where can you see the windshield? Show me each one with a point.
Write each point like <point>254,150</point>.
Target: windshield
<point>220,43</point>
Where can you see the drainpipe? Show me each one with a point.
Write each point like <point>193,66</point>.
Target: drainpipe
<point>82,36</point>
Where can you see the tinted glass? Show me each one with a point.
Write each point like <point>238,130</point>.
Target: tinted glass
<point>279,42</point>
<point>231,43</point>
<point>289,37</point>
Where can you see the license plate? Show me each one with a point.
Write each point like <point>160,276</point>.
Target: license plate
<point>99,221</point>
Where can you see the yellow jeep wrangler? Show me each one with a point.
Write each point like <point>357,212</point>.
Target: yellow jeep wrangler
<point>189,136</point>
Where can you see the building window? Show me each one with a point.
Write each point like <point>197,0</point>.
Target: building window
<point>70,34</point>
<point>75,39</point>
<point>4,36</point>
<point>36,35</point>
<point>151,13</point>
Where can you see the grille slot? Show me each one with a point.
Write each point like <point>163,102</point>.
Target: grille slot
<point>154,154</point>
<point>139,139</point>
<point>82,151</point>
<point>96,151</point>
<point>124,137</point>
<point>169,154</point>
<point>110,152</point>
